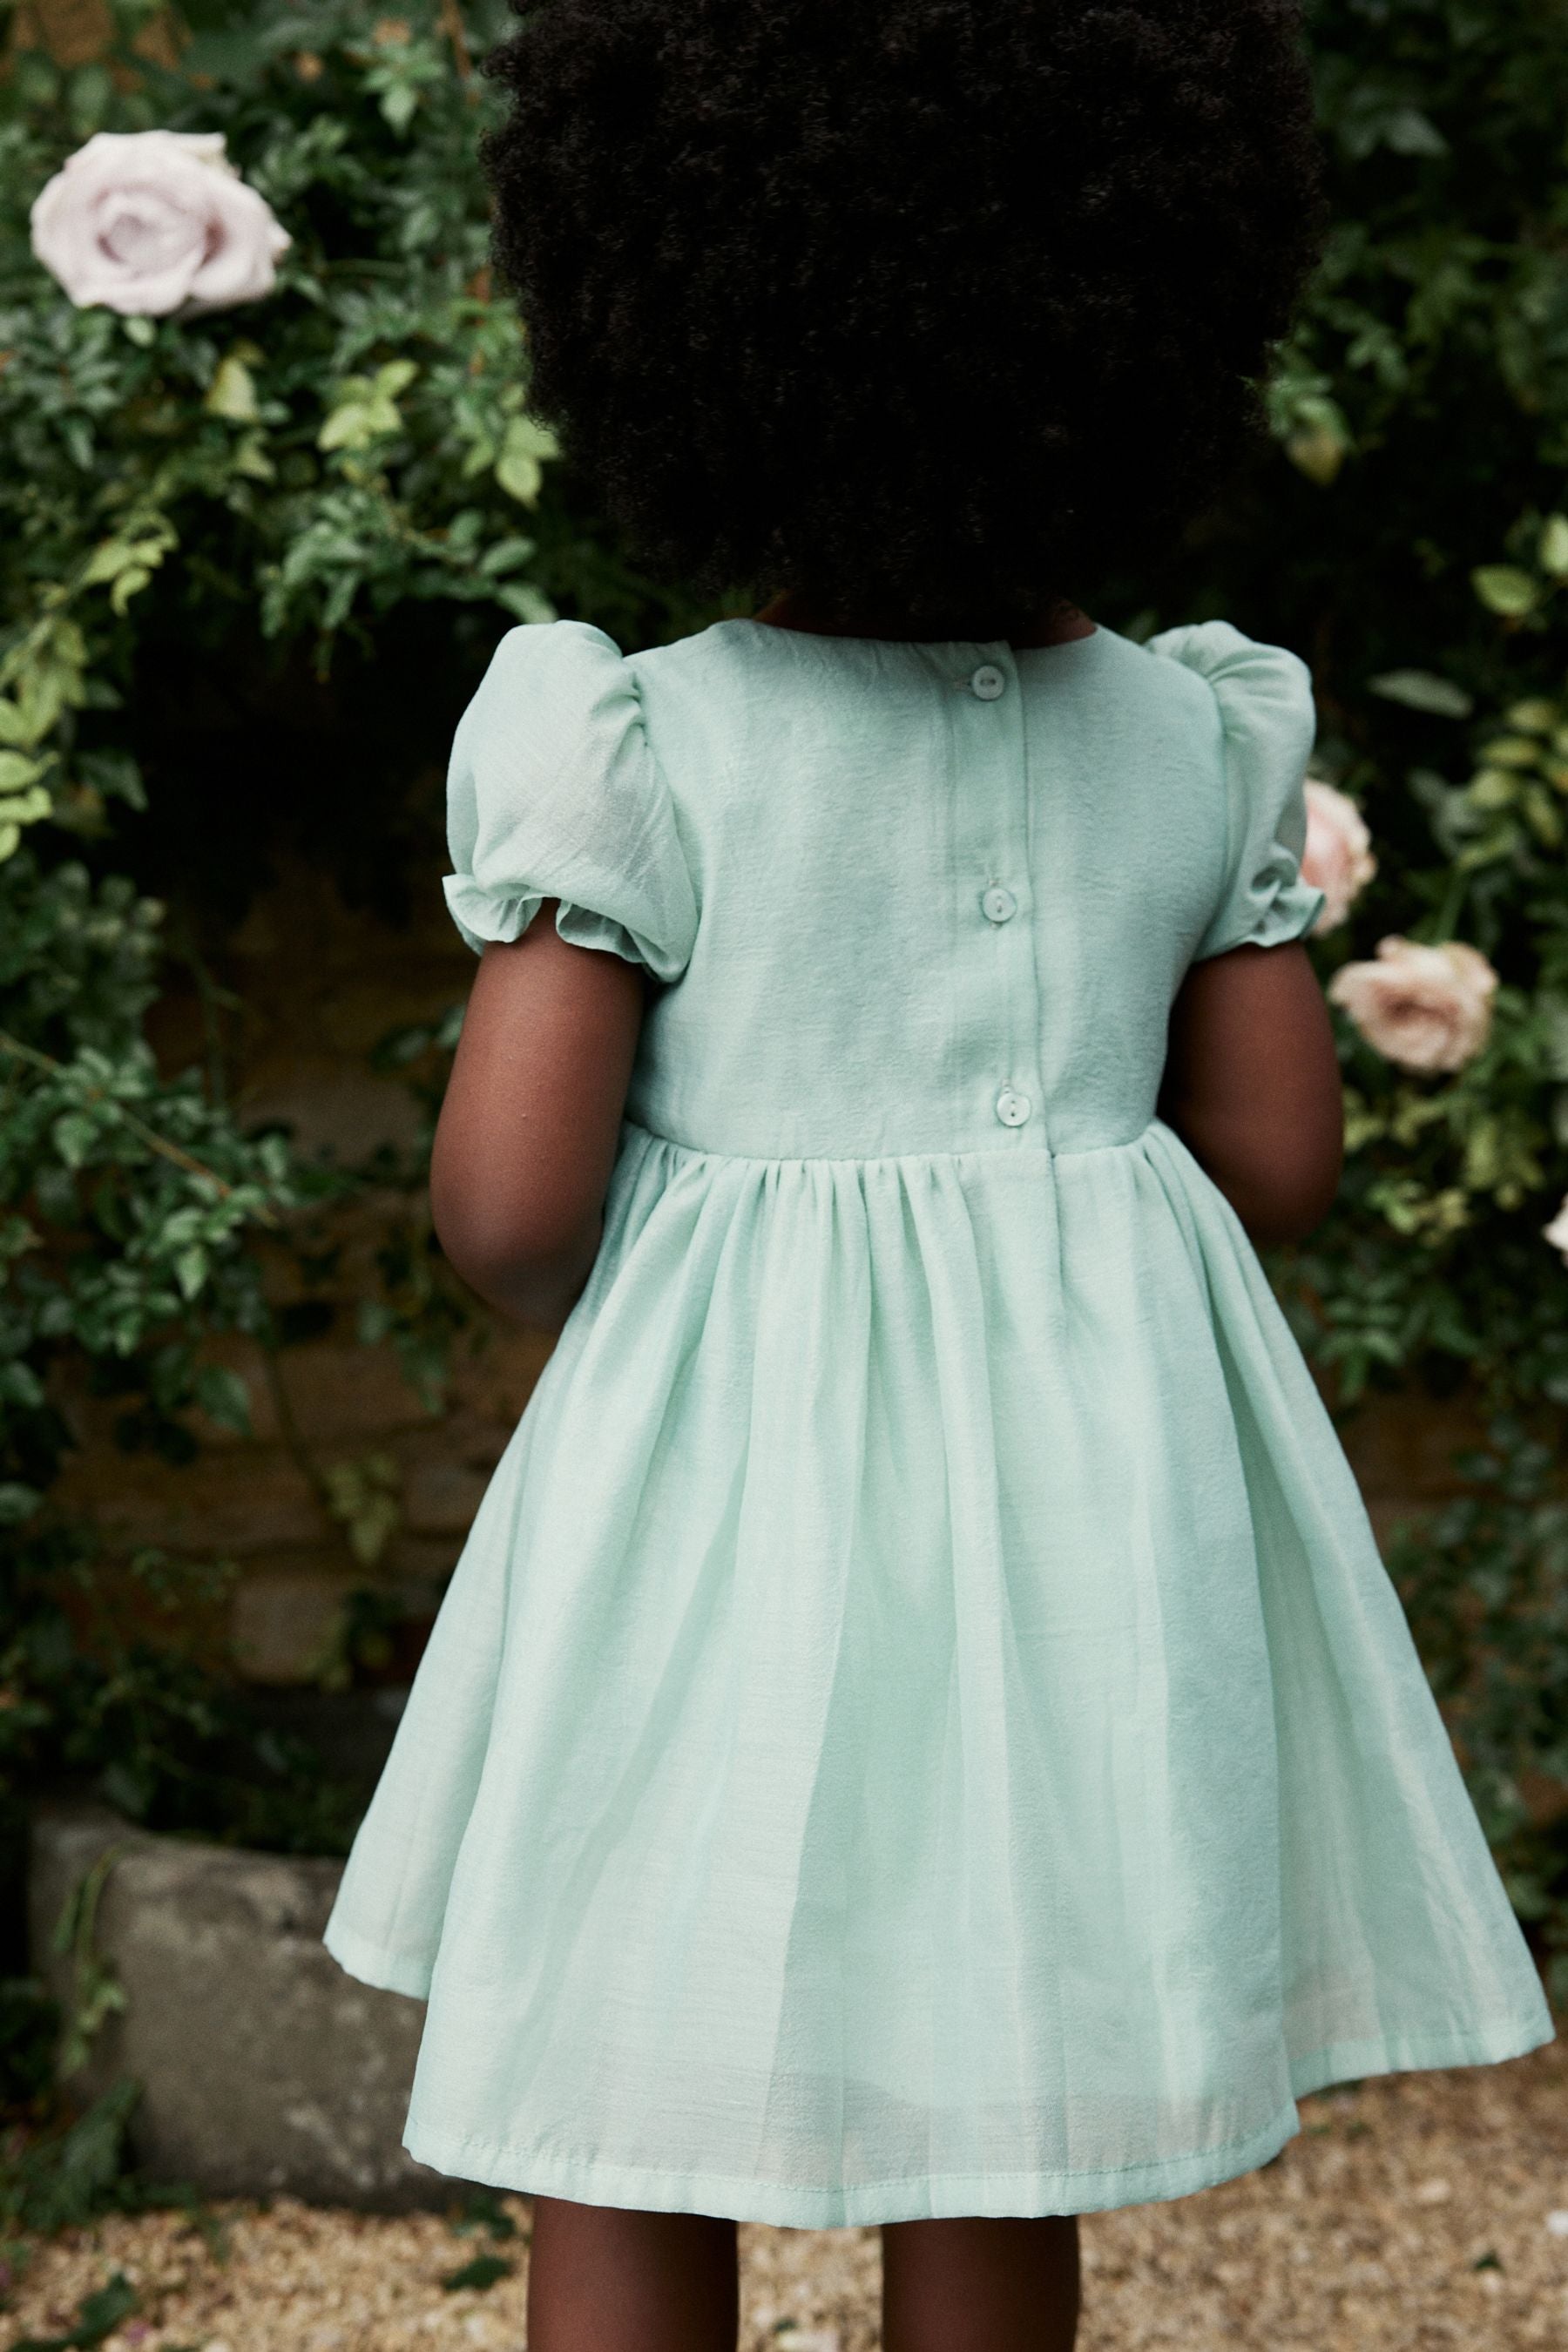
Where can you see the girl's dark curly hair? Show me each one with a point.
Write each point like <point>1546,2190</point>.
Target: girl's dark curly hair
<point>931,306</point>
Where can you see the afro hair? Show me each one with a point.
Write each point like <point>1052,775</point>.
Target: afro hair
<point>926,306</point>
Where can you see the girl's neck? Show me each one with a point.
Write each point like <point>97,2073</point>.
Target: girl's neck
<point>790,610</point>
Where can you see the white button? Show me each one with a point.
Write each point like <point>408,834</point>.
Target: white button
<point>1012,1108</point>
<point>999,904</point>
<point>987,682</point>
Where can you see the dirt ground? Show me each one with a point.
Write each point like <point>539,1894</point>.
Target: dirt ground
<point>1412,2214</point>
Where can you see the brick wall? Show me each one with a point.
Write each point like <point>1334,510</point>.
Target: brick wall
<point>319,986</point>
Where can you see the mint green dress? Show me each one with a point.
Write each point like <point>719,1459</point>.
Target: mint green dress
<point>920,1726</point>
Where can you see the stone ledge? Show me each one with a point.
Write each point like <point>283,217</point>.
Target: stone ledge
<point>264,2068</point>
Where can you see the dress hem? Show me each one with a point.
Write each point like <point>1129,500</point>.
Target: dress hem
<point>585,2180</point>
<point>403,1972</point>
<point>950,2197</point>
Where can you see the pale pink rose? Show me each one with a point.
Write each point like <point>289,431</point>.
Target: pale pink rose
<point>149,222</point>
<point>1338,859</point>
<point>1425,1008</point>
<point>1556,1232</point>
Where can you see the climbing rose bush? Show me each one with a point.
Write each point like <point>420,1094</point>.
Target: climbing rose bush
<point>153,222</point>
<point>1338,858</point>
<point>1423,1008</point>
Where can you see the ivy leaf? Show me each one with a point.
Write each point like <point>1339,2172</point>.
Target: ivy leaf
<point>223,1397</point>
<point>232,391</point>
<point>482,2209</point>
<point>1407,131</point>
<point>1551,1011</point>
<point>362,1496</point>
<point>191,1269</point>
<point>14,726</point>
<point>483,2271</point>
<point>366,407</point>
<point>1318,452</point>
<point>522,455</point>
<point>1419,689</point>
<point>73,1136</point>
<point>1504,588</point>
<point>17,1502</point>
<point>97,2316</point>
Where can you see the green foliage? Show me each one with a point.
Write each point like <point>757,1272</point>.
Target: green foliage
<point>63,2176</point>
<point>285,473</point>
<point>98,2316</point>
<point>481,2209</point>
<point>484,2271</point>
<point>1425,576</point>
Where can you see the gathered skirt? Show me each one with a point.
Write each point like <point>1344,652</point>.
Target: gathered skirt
<point>920,1726</point>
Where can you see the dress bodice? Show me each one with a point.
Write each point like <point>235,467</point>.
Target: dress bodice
<point>906,898</point>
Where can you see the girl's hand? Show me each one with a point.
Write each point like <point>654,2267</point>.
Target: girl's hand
<point>529,1129</point>
<point>1252,1087</point>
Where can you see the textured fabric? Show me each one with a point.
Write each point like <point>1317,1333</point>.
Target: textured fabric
<point>920,1726</point>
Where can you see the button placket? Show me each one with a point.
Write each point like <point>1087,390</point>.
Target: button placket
<point>991,835</point>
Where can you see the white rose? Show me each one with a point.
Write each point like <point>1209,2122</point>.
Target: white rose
<point>148,222</point>
<point>1556,1232</point>
<point>1338,860</point>
<point>1425,1008</point>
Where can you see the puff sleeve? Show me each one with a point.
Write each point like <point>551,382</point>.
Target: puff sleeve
<point>553,792</point>
<point>1268,724</point>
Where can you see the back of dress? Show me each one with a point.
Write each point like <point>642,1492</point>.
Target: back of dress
<point>919,898</point>
<point>920,1724</point>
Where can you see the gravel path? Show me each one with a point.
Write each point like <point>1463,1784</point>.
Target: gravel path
<point>1410,2213</point>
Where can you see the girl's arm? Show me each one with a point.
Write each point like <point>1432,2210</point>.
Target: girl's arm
<point>529,1125</point>
<point>1252,1087</point>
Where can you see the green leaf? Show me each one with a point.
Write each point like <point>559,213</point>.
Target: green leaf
<point>98,2316</point>
<point>482,2209</point>
<point>15,726</point>
<point>232,391</point>
<point>90,94</point>
<point>1407,131</point>
<point>399,104</point>
<point>525,450</point>
<point>26,808</point>
<point>73,1136</point>
<point>191,1269</point>
<point>483,2271</point>
<point>1552,552</point>
<point>366,409</point>
<point>223,1397</point>
<point>1512,752</point>
<point>1536,715</point>
<point>1419,689</point>
<point>1504,588</point>
<point>362,1496</point>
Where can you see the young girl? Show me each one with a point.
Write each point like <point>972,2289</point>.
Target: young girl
<point>920,1733</point>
